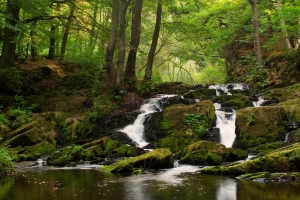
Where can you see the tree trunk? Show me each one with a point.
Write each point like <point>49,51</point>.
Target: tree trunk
<point>257,47</point>
<point>10,34</point>
<point>148,71</point>
<point>33,43</point>
<point>122,44</point>
<point>51,53</point>
<point>110,50</point>
<point>66,34</point>
<point>130,76</point>
<point>282,23</point>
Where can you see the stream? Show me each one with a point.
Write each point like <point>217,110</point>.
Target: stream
<point>181,182</point>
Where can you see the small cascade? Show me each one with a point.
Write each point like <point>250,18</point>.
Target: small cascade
<point>226,124</point>
<point>226,88</point>
<point>259,102</point>
<point>136,130</point>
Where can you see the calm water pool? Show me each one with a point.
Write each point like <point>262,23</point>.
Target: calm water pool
<point>178,183</point>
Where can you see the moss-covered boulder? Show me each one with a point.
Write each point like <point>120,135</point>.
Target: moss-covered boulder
<point>284,93</point>
<point>292,107</point>
<point>209,153</point>
<point>268,147</point>
<point>6,164</point>
<point>171,88</point>
<point>102,146</point>
<point>127,150</point>
<point>286,159</point>
<point>156,159</point>
<point>237,101</point>
<point>67,155</point>
<point>202,93</point>
<point>30,134</point>
<point>259,125</point>
<point>294,136</point>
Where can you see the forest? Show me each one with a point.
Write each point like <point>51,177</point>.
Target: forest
<point>73,71</point>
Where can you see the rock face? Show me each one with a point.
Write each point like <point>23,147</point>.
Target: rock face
<point>259,125</point>
<point>156,159</point>
<point>208,153</point>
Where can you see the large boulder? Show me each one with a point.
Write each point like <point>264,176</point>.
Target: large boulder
<point>209,153</point>
<point>259,125</point>
<point>236,101</point>
<point>185,124</point>
<point>156,159</point>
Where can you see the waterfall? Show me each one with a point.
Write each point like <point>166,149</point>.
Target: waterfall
<point>135,131</point>
<point>226,124</point>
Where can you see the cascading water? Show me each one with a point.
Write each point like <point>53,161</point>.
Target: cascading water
<point>136,130</point>
<point>226,124</point>
<point>259,102</point>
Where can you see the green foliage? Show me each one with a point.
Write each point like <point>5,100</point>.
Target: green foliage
<point>6,164</point>
<point>102,106</point>
<point>250,119</point>
<point>256,75</point>
<point>212,75</point>
<point>145,87</point>
<point>198,123</point>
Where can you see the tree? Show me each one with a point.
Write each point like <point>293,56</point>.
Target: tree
<point>130,76</point>
<point>257,47</point>
<point>110,50</point>
<point>149,64</point>
<point>10,33</point>
<point>67,31</point>
<point>122,40</point>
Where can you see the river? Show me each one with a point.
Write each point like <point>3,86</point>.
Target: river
<point>183,182</point>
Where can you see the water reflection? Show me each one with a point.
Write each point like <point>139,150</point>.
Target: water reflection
<point>227,190</point>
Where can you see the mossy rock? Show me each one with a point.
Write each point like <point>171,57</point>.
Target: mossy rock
<point>284,94</point>
<point>69,154</point>
<point>171,88</point>
<point>6,164</point>
<point>201,93</point>
<point>30,134</point>
<point>292,107</point>
<point>295,136</point>
<point>176,142</point>
<point>127,151</point>
<point>202,152</point>
<point>36,151</point>
<point>286,159</point>
<point>235,155</point>
<point>101,146</point>
<point>174,115</point>
<point>237,101</point>
<point>156,159</point>
<point>259,125</point>
<point>268,147</point>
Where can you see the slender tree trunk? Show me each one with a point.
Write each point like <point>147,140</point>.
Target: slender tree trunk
<point>33,43</point>
<point>149,65</point>
<point>282,23</point>
<point>51,53</point>
<point>110,50</point>
<point>10,34</point>
<point>130,76</point>
<point>122,44</point>
<point>257,47</point>
<point>93,39</point>
<point>66,34</point>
